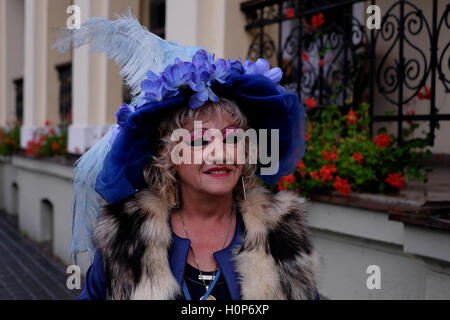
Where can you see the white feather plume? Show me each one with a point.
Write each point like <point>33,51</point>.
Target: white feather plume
<point>135,49</point>
<point>86,202</point>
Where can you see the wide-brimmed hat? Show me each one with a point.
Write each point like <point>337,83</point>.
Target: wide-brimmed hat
<point>164,77</point>
<point>265,104</point>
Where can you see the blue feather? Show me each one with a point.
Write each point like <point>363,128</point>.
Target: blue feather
<point>86,202</point>
<point>135,49</point>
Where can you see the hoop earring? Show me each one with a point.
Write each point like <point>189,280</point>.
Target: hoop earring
<point>243,187</point>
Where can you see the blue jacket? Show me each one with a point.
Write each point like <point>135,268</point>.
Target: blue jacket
<point>95,284</point>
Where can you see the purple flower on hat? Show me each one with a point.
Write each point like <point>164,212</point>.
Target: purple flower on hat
<point>201,79</point>
<point>157,88</point>
<point>262,66</point>
<point>152,76</point>
<point>274,74</point>
<point>237,65</point>
<point>154,89</point>
<point>122,115</point>
<point>199,75</point>
<point>202,91</point>
<point>223,69</point>
<point>177,74</point>
<point>202,58</point>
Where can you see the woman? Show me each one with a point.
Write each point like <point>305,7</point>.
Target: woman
<point>199,229</point>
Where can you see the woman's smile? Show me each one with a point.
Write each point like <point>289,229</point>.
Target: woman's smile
<point>222,171</point>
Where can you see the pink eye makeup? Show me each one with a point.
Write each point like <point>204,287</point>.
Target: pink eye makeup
<point>198,133</point>
<point>200,138</point>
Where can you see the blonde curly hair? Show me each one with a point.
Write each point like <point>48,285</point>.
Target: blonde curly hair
<point>160,173</point>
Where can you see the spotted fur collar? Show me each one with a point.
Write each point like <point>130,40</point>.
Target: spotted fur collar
<point>275,261</point>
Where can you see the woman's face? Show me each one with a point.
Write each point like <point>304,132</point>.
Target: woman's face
<point>210,176</point>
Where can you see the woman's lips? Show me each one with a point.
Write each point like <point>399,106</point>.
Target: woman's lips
<point>218,172</point>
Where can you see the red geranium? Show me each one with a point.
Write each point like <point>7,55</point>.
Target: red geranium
<point>330,155</point>
<point>327,171</point>
<point>426,95</point>
<point>305,57</point>
<point>301,168</point>
<point>281,186</point>
<point>314,175</point>
<point>55,146</point>
<point>307,136</point>
<point>396,180</point>
<point>289,179</point>
<point>351,117</point>
<point>285,181</point>
<point>310,102</point>
<point>342,185</point>
<point>358,157</point>
<point>382,140</point>
<point>32,148</point>
<point>43,138</point>
<point>289,12</point>
<point>317,20</point>
<point>301,165</point>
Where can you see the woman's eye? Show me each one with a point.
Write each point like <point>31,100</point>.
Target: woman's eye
<point>232,138</point>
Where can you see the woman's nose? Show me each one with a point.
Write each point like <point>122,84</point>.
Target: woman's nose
<point>217,151</point>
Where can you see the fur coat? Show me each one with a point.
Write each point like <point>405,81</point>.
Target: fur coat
<point>275,261</point>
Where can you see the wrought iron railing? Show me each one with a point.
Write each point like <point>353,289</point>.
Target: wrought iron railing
<point>282,34</point>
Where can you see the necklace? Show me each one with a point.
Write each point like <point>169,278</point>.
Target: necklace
<point>215,274</point>
<point>194,279</point>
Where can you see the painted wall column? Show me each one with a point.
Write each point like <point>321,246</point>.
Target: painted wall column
<point>181,21</point>
<point>3,77</point>
<point>35,68</point>
<point>217,25</point>
<point>89,75</point>
<point>11,55</point>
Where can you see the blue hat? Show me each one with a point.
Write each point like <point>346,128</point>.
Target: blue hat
<point>265,103</point>
<point>164,77</point>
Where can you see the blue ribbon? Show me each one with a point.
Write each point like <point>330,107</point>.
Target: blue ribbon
<point>186,291</point>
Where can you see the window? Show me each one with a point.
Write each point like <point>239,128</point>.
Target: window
<point>18,85</point>
<point>65,93</point>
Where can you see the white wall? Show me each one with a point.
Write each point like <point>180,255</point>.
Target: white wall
<point>414,261</point>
